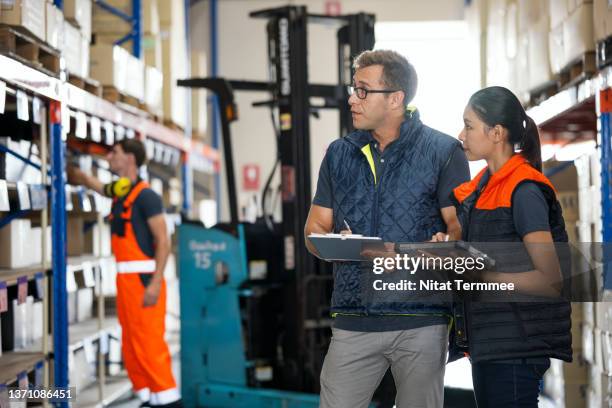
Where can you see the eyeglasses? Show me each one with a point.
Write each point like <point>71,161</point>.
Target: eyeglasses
<point>362,93</point>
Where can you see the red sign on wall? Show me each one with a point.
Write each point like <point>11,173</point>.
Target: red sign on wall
<point>250,177</point>
<point>332,7</point>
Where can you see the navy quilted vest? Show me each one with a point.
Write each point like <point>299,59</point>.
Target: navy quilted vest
<point>400,205</point>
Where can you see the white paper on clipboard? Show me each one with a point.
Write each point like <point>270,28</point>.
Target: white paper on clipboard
<point>344,247</point>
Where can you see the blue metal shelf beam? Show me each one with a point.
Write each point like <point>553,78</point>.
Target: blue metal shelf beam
<point>135,20</point>
<point>58,217</point>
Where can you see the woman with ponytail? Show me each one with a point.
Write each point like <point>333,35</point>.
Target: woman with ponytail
<point>510,342</point>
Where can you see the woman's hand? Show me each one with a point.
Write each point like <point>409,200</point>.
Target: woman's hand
<point>439,237</point>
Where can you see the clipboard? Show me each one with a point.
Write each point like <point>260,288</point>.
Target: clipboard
<point>348,247</point>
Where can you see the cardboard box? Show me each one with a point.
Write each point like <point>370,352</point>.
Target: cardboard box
<point>539,64</point>
<point>603,316</point>
<point>575,395</point>
<point>84,304</point>
<point>79,12</point>
<point>199,107</point>
<point>73,48</point>
<point>578,35</point>
<point>174,57</point>
<point>107,23</point>
<point>108,65</point>
<point>55,27</point>
<point>556,48</point>
<point>531,12</point>
<point>559,10</point>
<point>85,58</point>
<point>76,237</point>
<point>14,252</point>
<point>154,86</point>
<point>135,82</point>
<point>602,21</point>
<point>153,51</point>
<point>29,14</point>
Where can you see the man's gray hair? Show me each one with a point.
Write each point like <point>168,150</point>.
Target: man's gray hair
<point>398,73</point>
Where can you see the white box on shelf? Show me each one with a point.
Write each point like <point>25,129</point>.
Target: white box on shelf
<point>108,65</point>
<point>35,245</point>
<point>73,48</point>
<point>154,84</point>
<point>20,330</point>
<point>14,252</point>
<point>135,77</point>
<point>37,320</point>
<point>29,14</point>
<point>29,320</point>
<point>578,35</point>
<point>79,12</point>
<point>84,304</point>
<point>55,27</point>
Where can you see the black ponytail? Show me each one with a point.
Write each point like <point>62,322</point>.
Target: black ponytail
<point>530,144</point>
<point>497,105</point>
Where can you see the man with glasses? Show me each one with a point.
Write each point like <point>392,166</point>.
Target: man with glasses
<point>392,178</point>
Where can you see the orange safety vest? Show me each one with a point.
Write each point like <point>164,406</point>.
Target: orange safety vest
<point>130,257</point>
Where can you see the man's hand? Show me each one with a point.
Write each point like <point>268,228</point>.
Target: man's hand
<point>75,175</point>
<point>152,293</point>
<point>78,178</point>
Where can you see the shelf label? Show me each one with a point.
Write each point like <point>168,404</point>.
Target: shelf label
<point>24,196</point>
<point>22,289</point>
<point>130,134</point>
<point>119,133</point>
<point>22,380</point>
<point>22,106</point>
<point>71,285</point>
<point>96,132</point>
<point>88,274</point>
<point>90,351</point>
<point>2,96</point>
<point>4,198</point>
<point>65,120</point>
<point>3,298</point>
<point>109,133</point>
<point>38,278</point>
<point>69,206</point>
<point>103,342</point>
<point>81,125</point>
<point>38,196</point>
<point>36,105</point>
<point>85,202</point>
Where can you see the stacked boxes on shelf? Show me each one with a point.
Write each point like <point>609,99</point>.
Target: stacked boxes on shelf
<point>28,15</point>
<point>174,51</point>
<point>602,23</point>
<point>589,197</point>
<point>597,344</point>
<point>132,77</point>
<point>77,36</point>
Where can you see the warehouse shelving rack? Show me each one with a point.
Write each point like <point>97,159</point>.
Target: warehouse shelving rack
<point>578,109</point>
<point>72,110</point>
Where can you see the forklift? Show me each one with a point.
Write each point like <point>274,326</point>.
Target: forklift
<point>249,342</point>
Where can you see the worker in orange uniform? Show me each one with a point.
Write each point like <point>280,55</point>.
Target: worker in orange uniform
<point>141,247</point>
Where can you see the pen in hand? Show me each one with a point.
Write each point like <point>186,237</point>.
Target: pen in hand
<point>348,228</point>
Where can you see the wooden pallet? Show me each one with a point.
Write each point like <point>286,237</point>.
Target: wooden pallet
<point>112,94</point>
<point>169,123</point>
<point>543,92</point>
<point>22,47</point>
<point>578,70</point>
<point>87,84</point>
